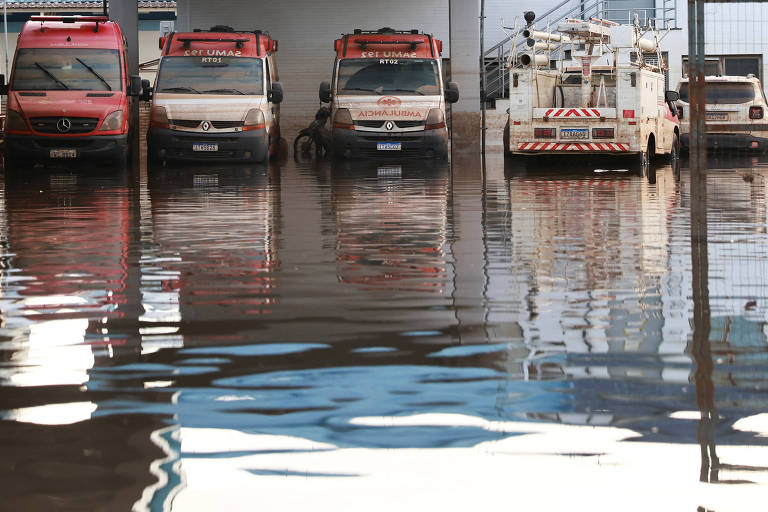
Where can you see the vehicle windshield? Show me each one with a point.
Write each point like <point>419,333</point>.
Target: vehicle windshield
<point>210,75</point>
<point>81,69</point>
<point>404,77</point>
<point>723,93</point>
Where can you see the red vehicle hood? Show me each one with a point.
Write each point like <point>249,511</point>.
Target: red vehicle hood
<point>66,103</point>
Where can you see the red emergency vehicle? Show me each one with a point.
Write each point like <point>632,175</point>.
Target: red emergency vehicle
<point>69,92</point>
<point>217,97</point>
<point>388,96</point>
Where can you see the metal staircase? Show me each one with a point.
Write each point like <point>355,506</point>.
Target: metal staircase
<point>496,57</point>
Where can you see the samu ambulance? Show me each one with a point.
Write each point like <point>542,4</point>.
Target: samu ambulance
<point>216,97</point>
<point>69,93</point>
<point>388,96</point>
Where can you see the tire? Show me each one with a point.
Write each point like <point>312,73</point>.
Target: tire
<point>304,146</point>
<point>674,154</point>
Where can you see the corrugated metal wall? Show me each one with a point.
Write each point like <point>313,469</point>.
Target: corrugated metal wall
<point>306,30</point>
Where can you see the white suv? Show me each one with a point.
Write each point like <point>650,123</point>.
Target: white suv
<point>736,113</point>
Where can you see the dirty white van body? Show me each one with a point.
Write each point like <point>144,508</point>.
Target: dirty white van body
<point>605,99</point>
<point>388,96</point>
<point>216,97</point>
<point>735,113</point>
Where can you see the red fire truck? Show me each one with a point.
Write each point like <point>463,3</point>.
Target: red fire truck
<point>388,95</point>
<point>69,91</point>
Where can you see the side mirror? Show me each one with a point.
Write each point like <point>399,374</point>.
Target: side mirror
<point>325,92</point>
<point>3,86</point>
<point>275,95</point>
<point>134,87</point>
<point>452,92</point>
<point>671,96</point>
<point>146,90</point>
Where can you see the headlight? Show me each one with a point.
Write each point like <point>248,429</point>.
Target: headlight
<point>254,120</point>
<point>113,121</point>
<point>435,119</point>
<point>343,119</point>
<point>15,122</point>
<point>158,118</point>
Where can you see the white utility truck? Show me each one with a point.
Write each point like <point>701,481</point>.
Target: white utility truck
<point>591,87</point>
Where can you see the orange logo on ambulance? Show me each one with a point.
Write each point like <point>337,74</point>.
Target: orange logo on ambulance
<point>389,101</point>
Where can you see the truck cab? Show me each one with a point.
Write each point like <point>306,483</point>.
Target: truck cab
<point>388,96</point>
<point>69,92</point>
<point>216,97</point>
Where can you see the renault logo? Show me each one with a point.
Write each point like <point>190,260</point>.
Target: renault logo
<point>63,125</point>
<point>206,126</point>
<point>389,125</point>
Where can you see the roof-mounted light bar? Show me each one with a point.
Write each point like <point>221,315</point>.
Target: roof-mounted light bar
<point>71,19</point>
<point>363,42</point>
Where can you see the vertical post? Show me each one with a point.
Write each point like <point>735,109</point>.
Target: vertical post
<point>126,14</point>
<point>5,29</point>
<point>464,38</point>
<point>483,77</point>
<point>696,85</point>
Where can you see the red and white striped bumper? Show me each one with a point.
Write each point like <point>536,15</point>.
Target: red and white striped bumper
<point>597,147</point>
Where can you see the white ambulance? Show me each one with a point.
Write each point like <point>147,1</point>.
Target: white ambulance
<point>590,88</point>
<point>388,96</point>
<point>735,113</point>
<point>216,97</point>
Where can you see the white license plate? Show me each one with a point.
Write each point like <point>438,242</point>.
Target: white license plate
<point>393,170</point>
<point>63,153</point>
<point>389,146</point>
<point>717,116</point>
<point>205,147</point>
<point>574,133</point>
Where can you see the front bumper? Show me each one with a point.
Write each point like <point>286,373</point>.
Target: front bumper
<point>167,144</point>
<point>416,144</point>
<point>744,141</point>
<point>41,148</point>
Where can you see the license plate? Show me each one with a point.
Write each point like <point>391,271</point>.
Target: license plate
<point>393,170</point>
<point>389,146</point>
<point>717,116</point>
<point>63,153</point>
<point>205,147</point>
<point>574,133</point>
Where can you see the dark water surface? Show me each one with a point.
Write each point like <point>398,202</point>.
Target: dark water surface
<point>344,337</point>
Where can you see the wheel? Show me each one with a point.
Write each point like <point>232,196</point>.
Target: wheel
<point>674,154</point>
<point>305,146</point>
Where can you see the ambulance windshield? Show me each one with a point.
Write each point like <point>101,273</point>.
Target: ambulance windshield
<point>404,77</point>
<point>81,69</point>
<point>210,75</point>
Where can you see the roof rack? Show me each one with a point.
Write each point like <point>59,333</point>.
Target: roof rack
<point>71,19</point>
<point>188,40</point>
<point>385,30</point>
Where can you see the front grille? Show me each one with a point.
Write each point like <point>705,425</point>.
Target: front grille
<point>189,139</point>
<point>185,123</point>
<point>409,124</point>
<point>226,124</point>
<point>370,124</point>
<point>50,124</point>
<point>391,137</point>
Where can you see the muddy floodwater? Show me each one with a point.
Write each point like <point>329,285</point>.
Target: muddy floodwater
<point>378,337</point>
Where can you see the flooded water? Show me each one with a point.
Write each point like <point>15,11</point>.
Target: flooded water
<point>363,337</point>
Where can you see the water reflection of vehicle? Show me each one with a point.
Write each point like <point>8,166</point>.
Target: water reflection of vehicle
<point>214,249</point>
<point>392,225</point>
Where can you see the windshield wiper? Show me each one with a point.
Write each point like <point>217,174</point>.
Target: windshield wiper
<point>51,75</point>
<point>404,90</point>
<point>180,88</point>
<point>95,73</point>
<point>237,91</point>
<point>364,89</point>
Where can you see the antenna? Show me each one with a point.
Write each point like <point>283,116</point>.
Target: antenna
<point>104,3</point>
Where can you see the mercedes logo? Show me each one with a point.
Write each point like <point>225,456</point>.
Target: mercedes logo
<point>389,125</point>
<point>63,125</point>
<point>206,126</point>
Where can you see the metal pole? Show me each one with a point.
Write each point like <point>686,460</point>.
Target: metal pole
<point>696,85</point>
<point>482,71</point>
<point>5,29</point>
